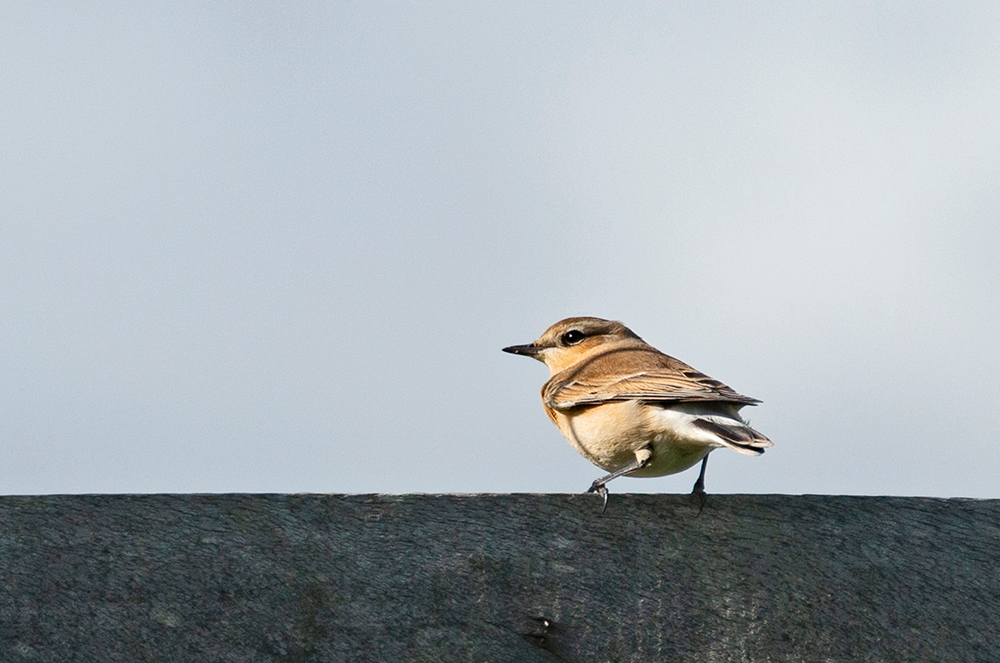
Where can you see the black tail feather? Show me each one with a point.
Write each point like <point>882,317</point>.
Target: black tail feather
<point>741,436</point>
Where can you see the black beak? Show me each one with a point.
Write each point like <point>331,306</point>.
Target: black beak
<point>529,350</point>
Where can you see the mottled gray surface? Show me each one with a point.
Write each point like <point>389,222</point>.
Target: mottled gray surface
<point>515,578</point>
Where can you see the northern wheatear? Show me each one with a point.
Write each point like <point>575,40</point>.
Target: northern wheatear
<point>632,410</point>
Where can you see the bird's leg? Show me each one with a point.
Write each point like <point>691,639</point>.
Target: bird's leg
<point>641,460</point>
<point>699,486</point>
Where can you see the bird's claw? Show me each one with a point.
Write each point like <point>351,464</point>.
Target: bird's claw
<point>602,490</point>
<point>702,497</point>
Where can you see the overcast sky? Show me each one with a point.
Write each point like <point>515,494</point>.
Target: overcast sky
<point>278,247</point>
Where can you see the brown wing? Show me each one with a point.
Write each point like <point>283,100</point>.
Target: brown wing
<point>634,373</point>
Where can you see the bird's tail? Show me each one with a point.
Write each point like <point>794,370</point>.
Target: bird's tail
<point>733,433</point>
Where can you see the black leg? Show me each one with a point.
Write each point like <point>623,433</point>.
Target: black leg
<point>699,486</point>
<point>599,485</point>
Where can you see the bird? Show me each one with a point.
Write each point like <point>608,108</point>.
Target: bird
<point>632,410</point>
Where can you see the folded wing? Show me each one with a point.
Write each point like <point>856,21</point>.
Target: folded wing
<point>635,373</point>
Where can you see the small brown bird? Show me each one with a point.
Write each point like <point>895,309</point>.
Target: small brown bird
<point>632,410</point>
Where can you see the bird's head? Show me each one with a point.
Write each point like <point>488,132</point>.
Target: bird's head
<point>570,340</point>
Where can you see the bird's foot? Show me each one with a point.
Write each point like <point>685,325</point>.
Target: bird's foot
<point>699,486</point>
<point>602,490</point>
<point>699,494</point>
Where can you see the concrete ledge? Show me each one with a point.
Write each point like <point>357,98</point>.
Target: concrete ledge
<point>520,578</point>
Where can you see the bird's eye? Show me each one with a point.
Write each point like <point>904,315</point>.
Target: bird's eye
<point>572,337</point>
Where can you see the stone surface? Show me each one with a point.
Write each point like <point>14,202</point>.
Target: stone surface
<point>519,578</point>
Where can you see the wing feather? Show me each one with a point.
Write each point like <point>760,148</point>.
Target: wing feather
<point>634,373</point>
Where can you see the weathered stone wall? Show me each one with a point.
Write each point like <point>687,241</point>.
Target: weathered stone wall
<point>519,578</point>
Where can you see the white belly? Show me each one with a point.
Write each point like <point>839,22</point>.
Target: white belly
<point>609,436</point>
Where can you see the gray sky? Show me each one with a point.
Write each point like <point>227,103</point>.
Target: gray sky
<point>278,247</point>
